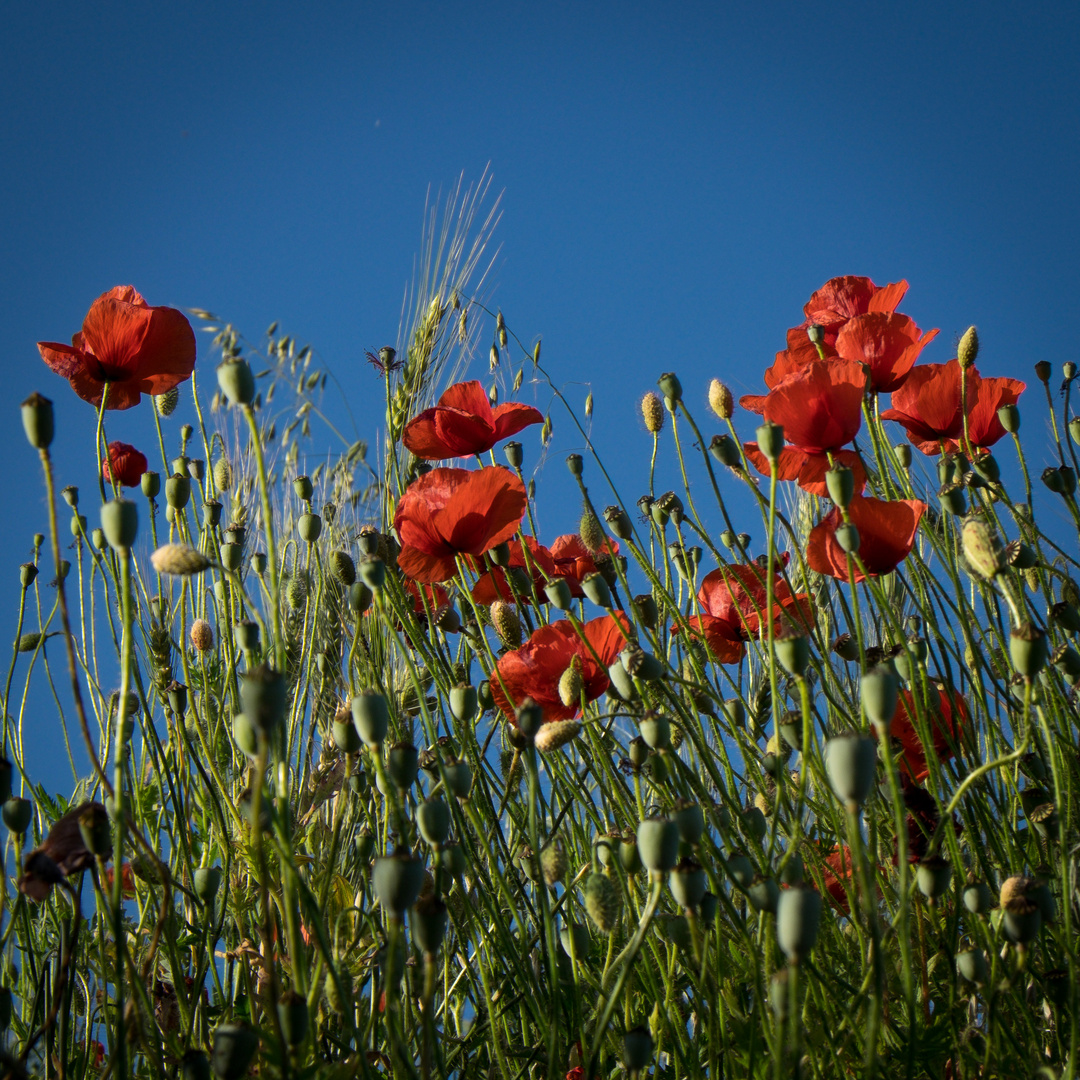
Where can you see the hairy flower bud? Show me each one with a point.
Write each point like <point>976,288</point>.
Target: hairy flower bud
<point>720,400</point>
<point>652,412</point>
<point>968,348</point>
<point>507,625</point>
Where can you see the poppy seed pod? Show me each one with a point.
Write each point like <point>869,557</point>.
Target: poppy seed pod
<point>177,696</point>
<point>725,450</point>
<point>933,875</point>
<point>752,824</point>
<point>602,901</point>
<point>397,880</point>
<point>429,919</point>
<point>575,464</point>
<point>850,761</point>
<point>639,664</point>
<point>574,939</point>
<point>798,919</point>
<point>309,527</point>
<point>764,894</point>
<point>840,482</point>
<point>234,1048</point>
<point>464,702</point>
<point>529,717</point>
<point>236,381</point>
<point>978,898</point>
<point>38,421</point>
<point>403,765</point>
<point>458,776</point>
<point>621,683</point>
<point>656,731</point>
<point>740,868</point>
<point>1022,920</point>
<point>670,386</point>
<point>246,635</point>
<point>973,966</point>
<point>952,499</point>
<point>690,821</point>
<point>212,513</point>
<point>968,348</point>
<point>263,697</point>
<point>619,522</point>
<point>987,468</point>
<point>658,844</point>
<point>177,491</point>
<point>558,594</point>
<point>232,557</point>
<point>206,881</point>
<point>17,814</point>
<point>734,711</point>
<point>646,610</point>
<point>28,573</point>
<point>293,1016</point>
<point>180,464</point>
<point>359,596</point>
<point>847,537</point>
<point>637,1049</point>
<point>433,821</point>
<point>1043,371</point>
<point>687,883</point>
<point>1029,649</point>
<point>150,484</point>
<point>197,470</point>
<point>120,522</point>
<point>345,735</point>
<point>770,440</point>
<point>793,653</point>
<point>244,735</point>
<point>372,571</point>
<point>879,690</point>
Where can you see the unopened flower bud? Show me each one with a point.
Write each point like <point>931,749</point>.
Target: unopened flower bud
<point>652,412</point>
<point>591,532</point>
<point>968,348</point>
<point>982,548</point>
<point>507,625</point>
<point>556,734</point>
<point>720,400</point>
<point>179,560</point>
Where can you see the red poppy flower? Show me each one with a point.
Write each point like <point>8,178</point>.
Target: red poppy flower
<point>887,343</point>
<point>534,670</point>
<point>921,820</point>
<point>818,406</point>
<point>464,423</point>
<point>434,600</point>
<point>732,600</point>
<point>886,536</point>
<point>946,722</point>
<point>127,880</point>
<point>573,560</point>
<point>928,407</point>
<point>125,463</point>
<point>808,470</point>
<point>134,348</point>
<point>451,512</point>
<point>493,584</point>
<point>836,872</point>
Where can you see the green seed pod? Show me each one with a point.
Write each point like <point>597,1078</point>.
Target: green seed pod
<point>646,610</point>
<point>28,573</point>
<point>514,454</point>
<point>619,522</point>
<point>879,690</point>
<point>246,635</point>
<point>433,821</point>
<point>177,491</point>
<point>770,440</point>
<point>658,844</point>
<point>793,653</point>
<point>952,499</point>
<point>659,766</point>
<point>95,830</point>
<point>575,940</point>
<point>752,824</point>
<point>293,1015</point>
<point>903,455</point>
<point>309,527</point>
<point>234,1045</point>
<point>621,682</point>
<point>359,597</point>
<point>602,901</point>
<point>1029,649</point>
<point>629,856</point>
<point>403,765</point>
<point>553,863</point>
<point>850,761</point>
<point>197,470</point>
<point>452,859</point>
<point>741,869</point>
<point>794,870</point>
<point>973,966</point>
<point>232,557</point>
<point>397,880</point>
<point>798,919</point>
<point>978,898</point>
<point>346,738</point>
<point>933,875</point>
<point>211,514</point>
<point>263,697</point>
<point>690,821</point>
<point>207,881</point>
<point>637,1049</point>
<point>725,450</point>
<point>372,572</point>
<point>764,894</point>
<point>687,882</point>
<point>464,703</point>
<point>150,483</point>
<point>987,468</point>
<point>1022,920</point>
<point>38,422</point>
<point>656,731</point>
<point>558,594</point>
<point>303,489</point>
<point>596,589</point>
<point>245,735</point>
<point>840,483</point>
<point>734,711</point>
<point>640,664</point>
<point>670,386</point>
<point>1066,616</point>
<point>236,382</point>
<point>429,924</point>
<point>675,930</point>
<point>78,525</point>
<point>371,715</point>
<point>780,995</point>
<point>18,813</point>
<point>180,464</point>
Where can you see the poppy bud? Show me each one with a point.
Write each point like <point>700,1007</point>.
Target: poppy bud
<point>1043,371</point>
<point>397,880</point>
<point>687,884</point>
<point>223,476</point>
<point>652,412</point>
<point>968,348</point>
<point>120,522</point>
<point>880,691</point>
<point>840,481</point>
<point>372,572</point>
<point>972,965</point>
<point>553,863</point>
<point>793,652</point>
<point>850,762</point>
<point>670,386</point>
<point>342,567</point>
<point>571,684</point>
<point>207,881</point>
<point>38,421</point>
<point>903,455</point>
<point>234,1047</point>
<point>17,814</point>
<point>558,595</point>
<point>529,718</point>
<point>591,532</point>
<point>725,450</point>
<point>1029,649</point>
<point>429,924</point>
<point>982,548</point>
<point>505,620</point>
<point>658,844</point>
<point>770,439</point>
<point>933,875</point>
<point>720,400</point>
<point>179,560</point>
<point>177,695</point>
<point>236,381</point>
<point>575,464</point>
<point>433,821</point>
<point>263,697</point>
<point>798,919</point>
<point>166,403</point>
<point>602,901</point>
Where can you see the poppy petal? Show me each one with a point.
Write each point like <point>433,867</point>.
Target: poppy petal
<point>513,417</point>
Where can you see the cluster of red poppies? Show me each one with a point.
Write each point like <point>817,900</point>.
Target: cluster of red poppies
<point>125,349</point>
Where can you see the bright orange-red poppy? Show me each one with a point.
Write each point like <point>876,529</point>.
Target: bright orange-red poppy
<point>127,880</point>
<point>125,463</point>
<point>463,423</point>
<point>808,470</point>
<point>886,536</point>
<point>946,721</point>
<point>535,669</point>
<point>493,585</point>
<point>573,560</point>
<point>450,512</point>
<point>836,872</point>
<point>134,348</point>
<point>818,406</point>
<point>732,600</point>
<point>887,343</point>
<point>928,407</point>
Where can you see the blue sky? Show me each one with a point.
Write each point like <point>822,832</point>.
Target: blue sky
<point>677,178</point>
